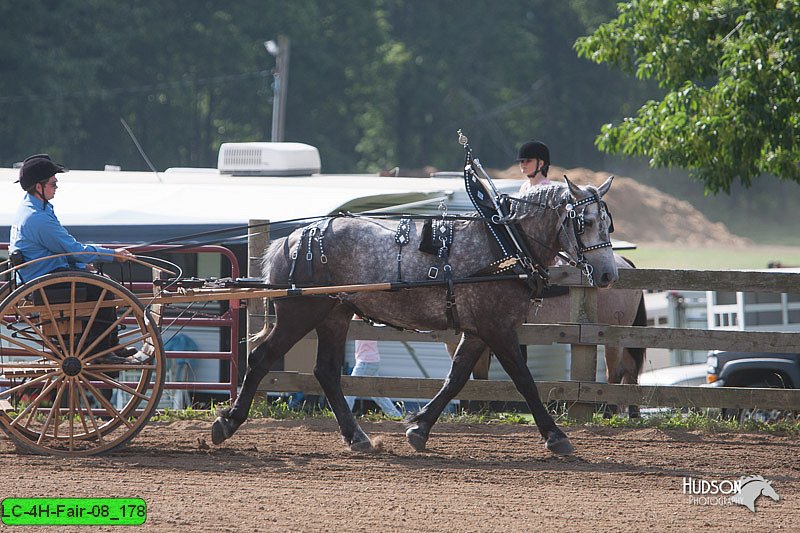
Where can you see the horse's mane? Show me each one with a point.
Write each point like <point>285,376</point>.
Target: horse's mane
<point>537,200</point>
<point>745,480</point>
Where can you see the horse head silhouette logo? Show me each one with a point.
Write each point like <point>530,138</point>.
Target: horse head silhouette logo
<point>751,488</point>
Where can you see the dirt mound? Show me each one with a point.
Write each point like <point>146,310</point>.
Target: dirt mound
<point>645,214</point>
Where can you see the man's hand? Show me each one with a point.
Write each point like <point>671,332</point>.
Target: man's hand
<point>121,255</point>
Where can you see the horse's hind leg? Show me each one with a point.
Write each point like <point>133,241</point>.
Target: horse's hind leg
<point>295,318</point>
<point>614,372</point>
<point>332,336</point>
<point>467,353</point>
<point>633,360</point>
<point>507,351</point>
<point>479,371</point>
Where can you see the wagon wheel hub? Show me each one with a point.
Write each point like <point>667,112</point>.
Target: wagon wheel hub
<point>71,366</point>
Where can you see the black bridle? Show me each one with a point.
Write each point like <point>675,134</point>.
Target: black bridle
<point>577,224</point>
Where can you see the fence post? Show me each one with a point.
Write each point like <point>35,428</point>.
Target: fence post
<point>583,358</point>
<point>257,243</point>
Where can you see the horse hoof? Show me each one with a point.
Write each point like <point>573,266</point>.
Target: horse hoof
<point>559,444</point>
<point>416,439</point>
<point>222,429</point>
<point>361,446</point>
<point>360,442</point>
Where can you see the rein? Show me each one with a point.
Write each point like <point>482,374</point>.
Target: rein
<point>342,214</point>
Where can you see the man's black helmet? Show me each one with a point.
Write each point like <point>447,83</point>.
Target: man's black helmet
<point>37,168</point>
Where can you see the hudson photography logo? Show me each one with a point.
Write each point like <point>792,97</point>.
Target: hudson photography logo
<point>743,491</point>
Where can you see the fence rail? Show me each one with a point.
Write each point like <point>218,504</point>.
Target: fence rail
<point>584,333</point>
<point>568,391</point>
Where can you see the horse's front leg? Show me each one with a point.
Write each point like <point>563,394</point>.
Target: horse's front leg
<point>467,353</point>
<point>295,318</point>
<point>332,336</point>
<point>506,349</point>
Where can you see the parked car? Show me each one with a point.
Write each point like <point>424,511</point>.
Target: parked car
<point>749,369</point>
<point>678,376</point>
<point>672,376</point>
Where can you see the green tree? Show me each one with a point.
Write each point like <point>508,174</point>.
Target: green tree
<point>501,71</point>
<point>730,71</point>
<point>372,84</point>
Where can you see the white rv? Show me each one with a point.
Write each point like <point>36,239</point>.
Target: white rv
<point>252,181</point>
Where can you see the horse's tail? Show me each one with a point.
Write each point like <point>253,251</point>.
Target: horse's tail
<point>270,265</point>
<point>258,338</point>
<point>278,249</point>
<point>638,354</point>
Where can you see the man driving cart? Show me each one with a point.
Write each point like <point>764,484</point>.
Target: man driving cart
<point>38,238</point>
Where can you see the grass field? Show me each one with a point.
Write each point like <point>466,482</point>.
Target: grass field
<point>712,258</point>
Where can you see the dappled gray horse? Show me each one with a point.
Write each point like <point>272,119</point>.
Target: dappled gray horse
<point>343,251</point>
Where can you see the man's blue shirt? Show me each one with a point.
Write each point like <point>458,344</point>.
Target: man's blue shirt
<point>36,233</point>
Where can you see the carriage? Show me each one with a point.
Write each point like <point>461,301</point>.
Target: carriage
<point>67,398</point>
<point>62,397</point>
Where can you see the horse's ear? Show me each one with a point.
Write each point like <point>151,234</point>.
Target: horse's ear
<point>603,189</point>
<point>574,189</point>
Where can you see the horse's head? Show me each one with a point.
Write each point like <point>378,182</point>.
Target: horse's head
<point>769,491</point>
<point>585,231</point>
<point>580,228</point>
<point>757,485</point>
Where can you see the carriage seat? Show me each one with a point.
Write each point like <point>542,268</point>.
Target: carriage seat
<point>60,295</point>
<point>15,259</point>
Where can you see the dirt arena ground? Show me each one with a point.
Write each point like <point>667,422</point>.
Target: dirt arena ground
<point>296,476</point>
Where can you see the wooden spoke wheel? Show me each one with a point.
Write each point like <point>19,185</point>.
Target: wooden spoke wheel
<point>66,386</point>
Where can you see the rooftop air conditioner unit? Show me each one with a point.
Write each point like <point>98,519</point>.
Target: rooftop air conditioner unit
<point>268,159</point>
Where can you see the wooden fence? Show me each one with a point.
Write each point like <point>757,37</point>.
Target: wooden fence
<point>584,334</point>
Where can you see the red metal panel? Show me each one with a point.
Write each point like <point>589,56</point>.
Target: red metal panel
<point>229,319</point>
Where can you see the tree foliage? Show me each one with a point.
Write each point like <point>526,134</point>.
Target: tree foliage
<point>372,83</point>
<point>730,75</point>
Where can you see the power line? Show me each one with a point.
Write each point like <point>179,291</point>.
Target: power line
<point>107,93</point>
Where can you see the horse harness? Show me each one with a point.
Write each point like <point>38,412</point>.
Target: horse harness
<point>579,227</point>
<point>438,234</point>
<point>402,236</point>
<point>515,254</point>
<point>579,224</point>
<point>317,230</point>
<point>437,238</point>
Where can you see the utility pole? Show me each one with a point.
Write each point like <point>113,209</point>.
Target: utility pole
<point>280,51</point>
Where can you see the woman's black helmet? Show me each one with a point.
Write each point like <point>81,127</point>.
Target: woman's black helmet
<point>535,150</point>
